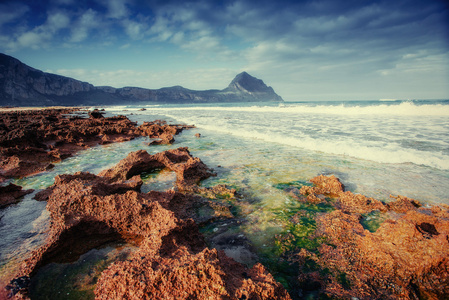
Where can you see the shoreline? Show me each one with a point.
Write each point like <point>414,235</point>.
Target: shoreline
<point>121,184</point>
<point>32,108</point>
<point>330,241</point>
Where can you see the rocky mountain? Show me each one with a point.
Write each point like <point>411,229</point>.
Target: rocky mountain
<point>21,85</point>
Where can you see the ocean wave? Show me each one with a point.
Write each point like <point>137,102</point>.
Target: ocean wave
<point>380,153</point>
<point>397,109</point>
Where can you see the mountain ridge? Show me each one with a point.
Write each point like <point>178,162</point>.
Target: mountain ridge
<point>22,85</point>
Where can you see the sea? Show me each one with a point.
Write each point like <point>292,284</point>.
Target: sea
<point>379,148</point>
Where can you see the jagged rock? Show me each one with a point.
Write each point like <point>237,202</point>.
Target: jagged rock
<point>406,257</point>
<point>96,114</point>
<point>172,261</point>
<point>208,274</point>
<point>329,186</point>
<point>403,204</point>
<point>30,141</point>
<point>189,170</point>
<point>11,194</point>
<point>356,203</point>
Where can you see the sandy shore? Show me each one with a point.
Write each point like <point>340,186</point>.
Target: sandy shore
<point>28,108</point>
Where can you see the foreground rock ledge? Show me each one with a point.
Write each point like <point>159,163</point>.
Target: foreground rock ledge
<point>172,260</point>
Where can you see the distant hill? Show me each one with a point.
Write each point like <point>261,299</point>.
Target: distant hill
<point>21,85</point>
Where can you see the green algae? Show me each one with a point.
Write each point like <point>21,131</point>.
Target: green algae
<point>343,280</point>
<point>372,220</point>
<point>292,184</point>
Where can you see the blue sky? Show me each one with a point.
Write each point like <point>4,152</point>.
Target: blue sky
<point>305,50</point>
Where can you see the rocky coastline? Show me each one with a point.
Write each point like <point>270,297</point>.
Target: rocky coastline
<point>337,245</point>
<point>31,141</point>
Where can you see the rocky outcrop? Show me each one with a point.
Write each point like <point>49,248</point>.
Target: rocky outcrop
<point>404,256</point>
<point>21,85</point>
<point>11,193</point>
<point>172,260</point>
<point>31,141</point>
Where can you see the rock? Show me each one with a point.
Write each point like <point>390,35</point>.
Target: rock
<point>405,258</point>
<point>329,186</point>
<point>356,203</point>
<point>11,194</point>
<point>189,170</point>
<point>96,114</point>
<point>172,260</point>
<point>30,141</point>
<point>403,204</point>
<point>208,274</point>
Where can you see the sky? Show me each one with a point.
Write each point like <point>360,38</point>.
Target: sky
<point>306,50</point>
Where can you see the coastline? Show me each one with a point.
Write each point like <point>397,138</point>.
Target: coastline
<point>32,108</point>
<point>329,212</point>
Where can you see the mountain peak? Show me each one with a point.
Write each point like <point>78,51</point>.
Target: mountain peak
<point>244,81</point>
<point>248,85</point>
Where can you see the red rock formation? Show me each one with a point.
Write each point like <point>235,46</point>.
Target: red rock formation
<point>356,203</point>
<point>172,261</point>
<point>189,170</point>
<point>405,258</point>
<point>30,141</point>
<point>11,194</point>
<point>208,274</point>
<point>329,186</point>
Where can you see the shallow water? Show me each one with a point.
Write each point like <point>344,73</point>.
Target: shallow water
<point>374,150</point>
<point>76,280</point>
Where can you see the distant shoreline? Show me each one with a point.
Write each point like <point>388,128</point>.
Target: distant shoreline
<point>28,108</point>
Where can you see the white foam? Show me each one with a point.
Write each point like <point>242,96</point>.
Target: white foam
<point>347,147</point>
<point>401,109</point>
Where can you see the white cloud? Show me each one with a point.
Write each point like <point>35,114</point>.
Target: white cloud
<point>55,22</point>
<point>40,36</point>
<point>11,11</point>
<point>135,30</point>
<point>31,39</point>
<point>88,20</point>
<point>117,8</point>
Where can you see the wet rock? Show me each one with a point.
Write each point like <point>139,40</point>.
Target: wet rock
<point>403,204</point>
<point>96,114</point>
<point>208,274</point>
<point>30,141</point>
<point>405,258</point>
<point>189,170</point>
<point>11,194</point>
<point>329,186</point>
<point>172,260</point>
<point>356,203</point>
<point>18,285</point>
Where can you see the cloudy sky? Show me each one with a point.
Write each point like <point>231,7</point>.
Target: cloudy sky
<point>305,50</point>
